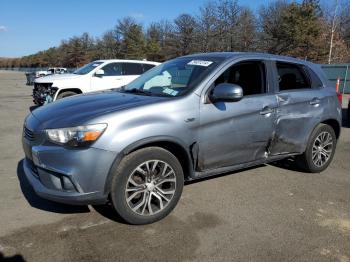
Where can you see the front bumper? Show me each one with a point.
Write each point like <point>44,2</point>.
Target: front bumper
<point>43,93</point>
<point>71,198</point>
<point>70,176</point>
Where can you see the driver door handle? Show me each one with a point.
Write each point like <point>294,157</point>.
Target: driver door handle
<point>315,102</point>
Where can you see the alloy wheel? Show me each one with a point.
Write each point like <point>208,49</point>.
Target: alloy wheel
<point>322,149</point>
<point>150,187</point>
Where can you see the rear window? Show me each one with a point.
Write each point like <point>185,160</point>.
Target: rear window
<point>147,67</point>
<point>315,80</point>
<point>132,69</point>
<point>291,76</point>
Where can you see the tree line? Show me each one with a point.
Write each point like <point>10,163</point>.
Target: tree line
<point>306,30</point>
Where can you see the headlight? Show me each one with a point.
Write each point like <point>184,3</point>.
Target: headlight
<point>76,136</point>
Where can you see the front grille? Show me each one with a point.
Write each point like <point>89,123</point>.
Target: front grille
<point>29,134</point>
<point>41,91</point>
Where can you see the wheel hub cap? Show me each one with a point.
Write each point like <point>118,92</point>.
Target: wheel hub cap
<point>150,187</point>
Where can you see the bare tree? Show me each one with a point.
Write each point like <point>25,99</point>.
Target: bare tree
<point>185,26</point>
<point>207,23</point>
<point>334,25</point>
<point>269,27</point>
<point>227,13</point>
<point>246,31</point>
<point>168,42</point>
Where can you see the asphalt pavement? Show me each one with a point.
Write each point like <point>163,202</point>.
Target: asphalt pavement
<point>267,213</point>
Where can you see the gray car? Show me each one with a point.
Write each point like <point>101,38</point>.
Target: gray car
<point>188,118</point>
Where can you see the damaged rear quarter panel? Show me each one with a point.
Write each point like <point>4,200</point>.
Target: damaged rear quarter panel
<point>296,119</point>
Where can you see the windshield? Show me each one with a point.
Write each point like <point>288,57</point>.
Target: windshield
<point>87,68</point>
<point>173,78</point>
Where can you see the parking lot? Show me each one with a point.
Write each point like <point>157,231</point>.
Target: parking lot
<point>267,213</point>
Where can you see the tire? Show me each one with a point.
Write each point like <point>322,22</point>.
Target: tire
<point>314,159</point>
<point>131,175</point>
<point>66,94</point>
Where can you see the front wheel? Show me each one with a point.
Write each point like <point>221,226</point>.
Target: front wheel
<point>319,151</point>
<point>147,185</point>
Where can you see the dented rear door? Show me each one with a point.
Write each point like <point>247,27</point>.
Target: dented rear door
<point>299,110</point>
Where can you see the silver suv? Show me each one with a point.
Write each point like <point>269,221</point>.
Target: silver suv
<point>188,118</point>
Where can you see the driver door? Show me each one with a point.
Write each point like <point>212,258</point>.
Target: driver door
<point>112,77</point>
<point>238,132</point>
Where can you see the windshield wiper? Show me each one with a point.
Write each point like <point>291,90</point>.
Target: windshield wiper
<point>137,91</point>
<point>142,92</point>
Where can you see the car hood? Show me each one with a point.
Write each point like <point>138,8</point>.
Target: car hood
<point>78,110</point>
<point>51,78</point>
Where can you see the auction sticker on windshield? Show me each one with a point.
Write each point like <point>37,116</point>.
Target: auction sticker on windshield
<point>200,63</point>
<point>170,92</point>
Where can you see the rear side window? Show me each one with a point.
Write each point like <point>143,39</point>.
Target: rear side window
<point>316,81</point>
<point>113,69</point>
<point>133,69</point>
<point>147,67</point>
<point>291,76</point>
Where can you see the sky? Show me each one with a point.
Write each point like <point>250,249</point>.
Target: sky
<point>28,26</point>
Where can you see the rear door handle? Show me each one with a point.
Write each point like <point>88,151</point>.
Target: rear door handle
<point>315,102</point>
<point>282,100</point>
<point>266,110</point>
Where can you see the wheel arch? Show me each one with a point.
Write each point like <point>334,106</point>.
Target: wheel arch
<point>331,122</point>
<point>62,90</point>
<point>334,124</point>
<point>184,154</point>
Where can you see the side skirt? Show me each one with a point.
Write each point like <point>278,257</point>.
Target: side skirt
<point>222,170</point>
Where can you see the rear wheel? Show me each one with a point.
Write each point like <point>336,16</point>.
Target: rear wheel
<point>147,185</point>
<point>66,94</point>
<point>319,151</point>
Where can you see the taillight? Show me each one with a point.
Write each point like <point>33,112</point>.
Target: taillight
<point>340,97</point>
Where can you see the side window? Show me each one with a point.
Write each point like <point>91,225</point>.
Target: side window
<point>315,80</point>
<point>133,69</point>
<point>113,69</point>
<point>291,76</point>
<point>249,75</point>
<point>147,67</point>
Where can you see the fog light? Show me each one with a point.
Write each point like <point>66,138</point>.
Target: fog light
<point>67,184</point>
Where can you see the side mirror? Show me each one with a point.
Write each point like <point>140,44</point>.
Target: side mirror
<point>226,92</point>
<point>99,73</point>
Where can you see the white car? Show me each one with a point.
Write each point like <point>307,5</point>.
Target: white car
<point>51,71</point>
<point>95,76</point>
